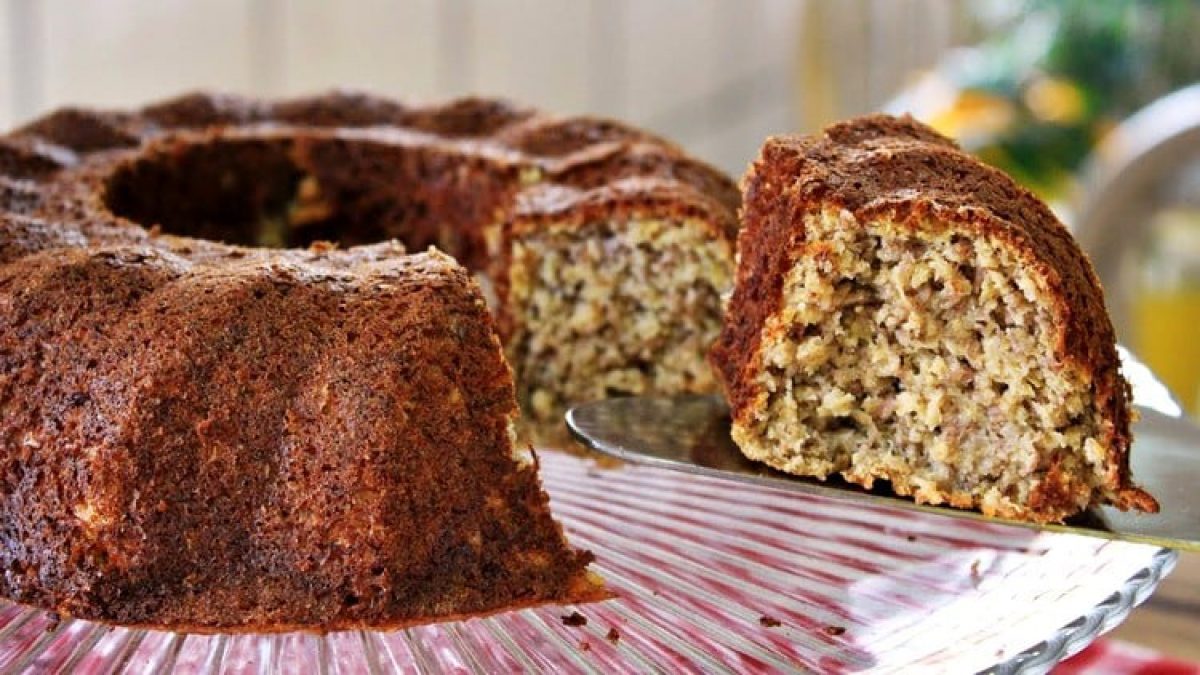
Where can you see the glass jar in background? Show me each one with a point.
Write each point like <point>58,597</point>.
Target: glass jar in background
<point>1166,303</point>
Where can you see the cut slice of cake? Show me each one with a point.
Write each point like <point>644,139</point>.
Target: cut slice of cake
<point>903,312</point>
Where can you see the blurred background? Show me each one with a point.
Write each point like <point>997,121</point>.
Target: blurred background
<point>1091,104</point>
<point>717,76</point>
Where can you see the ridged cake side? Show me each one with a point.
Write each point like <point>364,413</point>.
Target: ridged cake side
<point>318,440</point>
<point>903,312</point>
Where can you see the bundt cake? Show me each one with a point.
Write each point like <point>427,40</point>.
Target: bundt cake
<point>902,312</point>
<point>230,400</point>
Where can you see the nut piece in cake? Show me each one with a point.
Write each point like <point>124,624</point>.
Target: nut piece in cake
<point>904,313</point>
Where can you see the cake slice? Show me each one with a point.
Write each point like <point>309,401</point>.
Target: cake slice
<point>905,313</point>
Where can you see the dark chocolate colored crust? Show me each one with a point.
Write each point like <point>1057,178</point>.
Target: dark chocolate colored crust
<point>896,167</point>
<point>208,436</point>
<point>313,439</point>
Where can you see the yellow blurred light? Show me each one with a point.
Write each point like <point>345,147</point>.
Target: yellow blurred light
<point>1055,100</point>
<point>974,113</point>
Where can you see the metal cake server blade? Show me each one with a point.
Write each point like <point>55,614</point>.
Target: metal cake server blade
<point>691,434</point>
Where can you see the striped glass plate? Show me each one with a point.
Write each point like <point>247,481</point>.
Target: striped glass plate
<point>711,576</point>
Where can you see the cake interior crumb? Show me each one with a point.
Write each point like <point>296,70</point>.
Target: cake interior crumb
<point>924,356</point>
<point>638,301</point>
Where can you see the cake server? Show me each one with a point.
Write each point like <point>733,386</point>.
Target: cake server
<point>691,434</point>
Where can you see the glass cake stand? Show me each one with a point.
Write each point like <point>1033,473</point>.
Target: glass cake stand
<point>711,576</point>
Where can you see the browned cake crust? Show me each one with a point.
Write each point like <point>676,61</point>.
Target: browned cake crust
<point>210,436</point>
<point>881,167</point>
<point>464,176</point>
<point>263,442</point>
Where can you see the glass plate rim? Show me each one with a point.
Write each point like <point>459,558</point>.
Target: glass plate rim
<point>1073,637</point>
<point>1041,657</point>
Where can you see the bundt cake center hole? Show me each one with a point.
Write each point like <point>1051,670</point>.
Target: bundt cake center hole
<point>243,192</point>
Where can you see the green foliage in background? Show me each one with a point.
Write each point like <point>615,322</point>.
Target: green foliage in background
<point>1071,69</point>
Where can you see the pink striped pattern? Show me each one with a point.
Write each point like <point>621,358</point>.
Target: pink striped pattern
<point>701,566</point>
